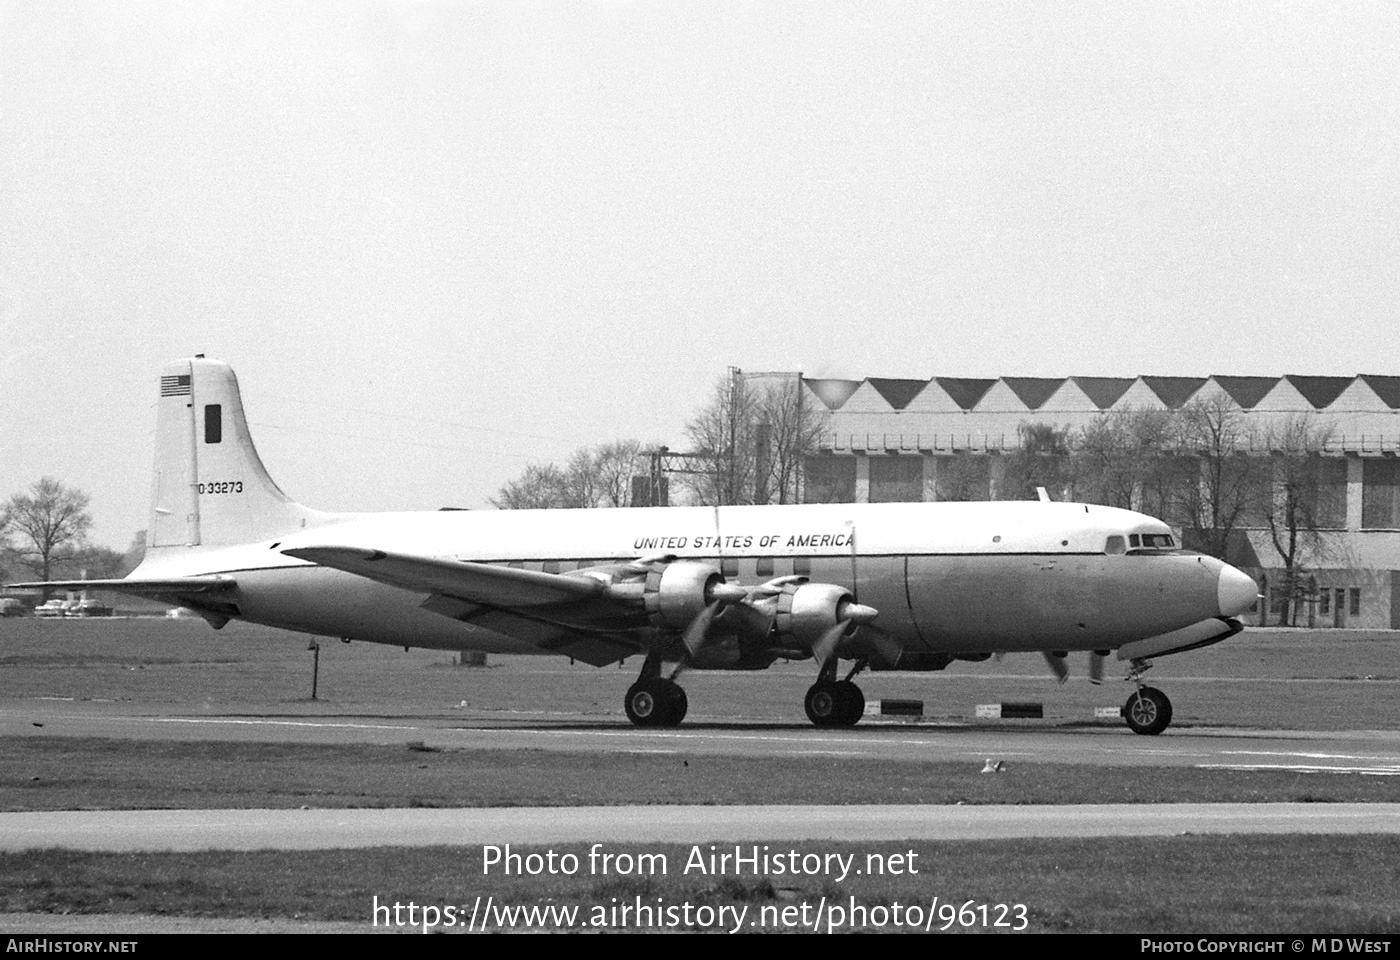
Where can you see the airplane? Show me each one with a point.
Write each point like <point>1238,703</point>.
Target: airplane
<point>886,586</point>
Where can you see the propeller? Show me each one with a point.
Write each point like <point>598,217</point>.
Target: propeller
<point>1059,664</point>
<point>849,617</point>
<point>1096,661</point>
<point>697,631</point>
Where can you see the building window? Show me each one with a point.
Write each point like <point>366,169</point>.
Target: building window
<point>1324,602</point>
<point>828,478</point>
<point>1327,478</point>
<point>1380,494</point>
<point>896,479</point>
<point>1355,607</point>
<point>213,423</point>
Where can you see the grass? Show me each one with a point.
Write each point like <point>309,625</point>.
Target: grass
<point>38,773</point>
<point>1192,884</point>
<point>1295,680</point>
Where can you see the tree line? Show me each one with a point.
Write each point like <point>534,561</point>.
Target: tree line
<point>748,443</point>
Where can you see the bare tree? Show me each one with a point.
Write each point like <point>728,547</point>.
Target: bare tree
<point>50,521</point>
<point>593,477</point>
<point>722,432</point>
<point>785,435</point>
<point>1043,460</point>
<point>612,467</point>
<point>963,477</point>
<point>753,437</point>
<point>1227,487</point>
<point>1302,503</point>
<point>539,487</point>
<point>1121,459</point>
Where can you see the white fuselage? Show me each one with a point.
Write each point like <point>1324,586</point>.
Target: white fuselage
<point>946,577</point>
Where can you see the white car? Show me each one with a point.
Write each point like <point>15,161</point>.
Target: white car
<point>52,608</point>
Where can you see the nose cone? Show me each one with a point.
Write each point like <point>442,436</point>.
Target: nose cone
<point>1236,591</point>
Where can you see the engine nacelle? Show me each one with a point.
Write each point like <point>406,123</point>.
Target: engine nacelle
<point>676,593</point>
<point>808,611</point>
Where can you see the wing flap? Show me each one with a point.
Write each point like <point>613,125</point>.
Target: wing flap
<point>475,582</point>
<point>590,646</point>
<point>169,586</point>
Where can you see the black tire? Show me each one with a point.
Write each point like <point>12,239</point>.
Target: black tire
<point>676,703</point>
<point>852,702</point>
<point>1148,711</point>
<point>656,703</point>
<point>824,704</point>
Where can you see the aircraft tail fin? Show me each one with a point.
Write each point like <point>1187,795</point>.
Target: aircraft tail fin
<point>210,486</point>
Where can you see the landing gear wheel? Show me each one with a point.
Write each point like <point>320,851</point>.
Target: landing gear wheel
<point>1148,711</point>
<point>655,703</point>
<point>834,703</point>
<point>676,703</point>
<point>852,701</point>
<point>824,704</point>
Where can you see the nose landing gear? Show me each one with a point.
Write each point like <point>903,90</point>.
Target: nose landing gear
<point>1148,711</point>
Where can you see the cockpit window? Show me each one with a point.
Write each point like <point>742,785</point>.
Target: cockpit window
<point>1158,541</point>
<point>1116,545</point>
<point>1135,540</point>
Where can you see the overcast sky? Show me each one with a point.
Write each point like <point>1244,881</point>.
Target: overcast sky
<point>439,240</point>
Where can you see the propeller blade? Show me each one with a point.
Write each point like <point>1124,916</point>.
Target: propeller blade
<point>826,644</point>
<point>1096,660</point>
<point>695,632</point>
<point>1057,666</point>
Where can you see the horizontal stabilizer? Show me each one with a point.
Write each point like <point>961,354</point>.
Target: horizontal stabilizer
<point>170,586</point>
<point>476,582</point>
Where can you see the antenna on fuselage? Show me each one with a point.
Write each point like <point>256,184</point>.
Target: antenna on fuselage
<point>1042,494</point>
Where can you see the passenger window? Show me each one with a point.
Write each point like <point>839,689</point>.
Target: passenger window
<point>1116,546</point>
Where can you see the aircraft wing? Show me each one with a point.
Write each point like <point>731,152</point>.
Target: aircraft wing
<point>170,586</point>
<point>481,583</point>
<point>520,603</point>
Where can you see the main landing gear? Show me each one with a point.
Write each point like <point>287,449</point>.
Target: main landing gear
<point>835,703</point>
<point>657,701</point>
<point>654,700</point>
<point>1148,711</point>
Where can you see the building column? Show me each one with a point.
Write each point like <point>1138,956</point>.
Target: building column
<point>930,478</point>
<point>996,473</point>
<point>1355,471</point>
<point>862,478</point>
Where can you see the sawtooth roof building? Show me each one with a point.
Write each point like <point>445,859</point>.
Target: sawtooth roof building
<point>897,439</point>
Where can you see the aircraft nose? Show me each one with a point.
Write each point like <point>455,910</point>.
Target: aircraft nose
<point>1236,591</point>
